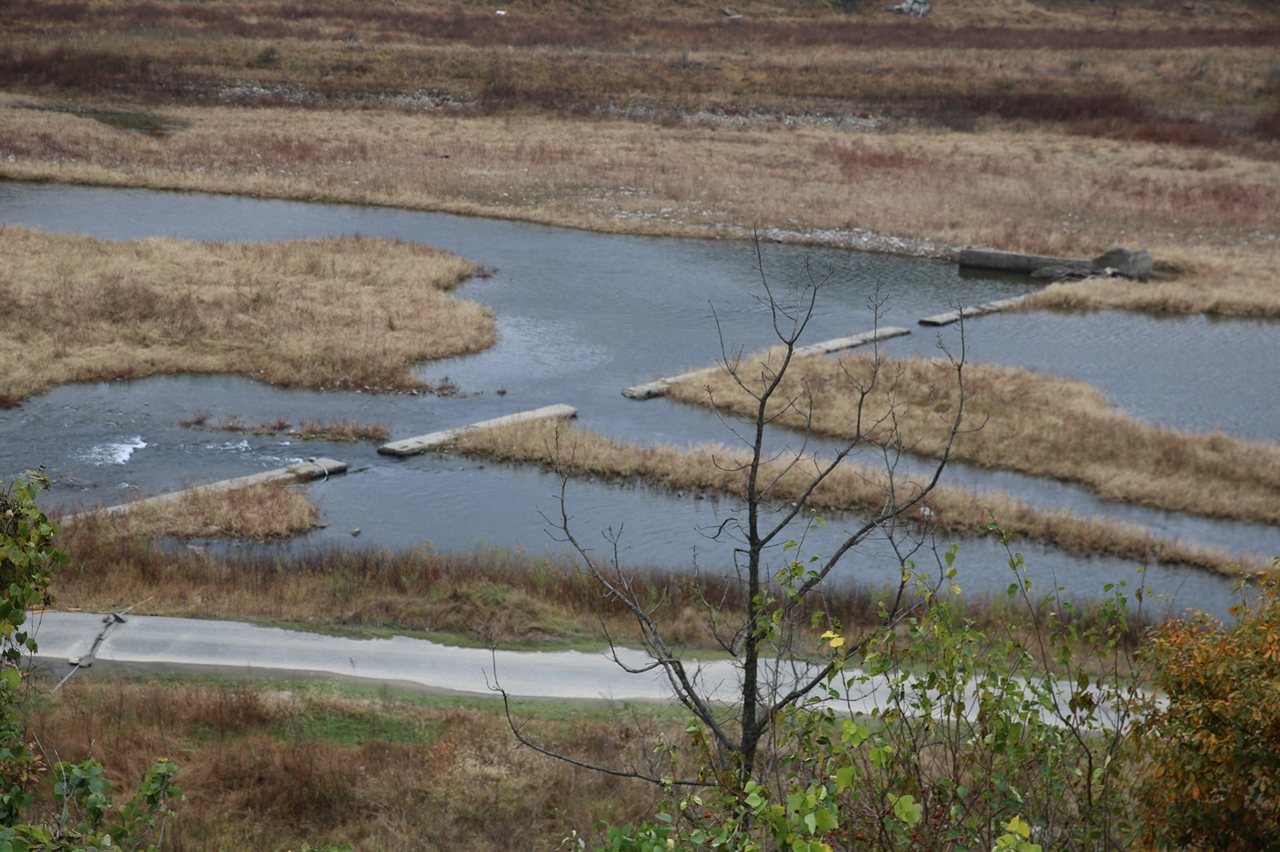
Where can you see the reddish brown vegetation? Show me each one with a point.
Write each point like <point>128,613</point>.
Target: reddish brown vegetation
<point>297,765</point>
<point>336,54</point>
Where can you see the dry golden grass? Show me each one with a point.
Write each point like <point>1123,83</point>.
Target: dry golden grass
<point>335,314</point>
<point>1030,423</point>
<point>715,470</point>
<point>475,597</point>
<point>480,598</point>
<point>337,21</point>
<point>1188,281</point>
<point>1204,216</point>
<point>289,766</point>
<point>257,513</point>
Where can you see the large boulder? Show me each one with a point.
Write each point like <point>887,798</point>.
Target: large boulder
<point>1125,263</point>
<point>914,8</point>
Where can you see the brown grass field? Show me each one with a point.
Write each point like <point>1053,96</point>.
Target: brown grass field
<point>1050,126</point>
<point>293,765</point>
<point>339,314</point>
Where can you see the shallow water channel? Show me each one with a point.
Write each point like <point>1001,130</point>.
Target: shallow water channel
<point>582,315</point>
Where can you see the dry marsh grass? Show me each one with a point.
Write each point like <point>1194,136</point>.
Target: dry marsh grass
<point>341,430</point>
<point>1026,422</point>
<point>331,314</point>
<point>476,598</point>
<point>1203,216</point>
<point>1054,127</point>
<point>560,60</point>
<point>292,765</point>
<point>257,513</point>
<point>479,598</point>
<point>715,470</point>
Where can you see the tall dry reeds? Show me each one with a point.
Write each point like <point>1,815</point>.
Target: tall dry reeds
<point>714,470</point>
<point>337,314</point>
<point>1023,421</point>
<point>256,513</point>
<point>478,598</point>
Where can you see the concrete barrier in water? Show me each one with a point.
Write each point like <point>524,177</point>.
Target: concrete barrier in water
<point>659,387</point>
<point>414,446</point>
<point>301,472</point>
<point>1010,261</point>
<point>973,311</point>
<point>842,343</point>
<point>1114,261</point>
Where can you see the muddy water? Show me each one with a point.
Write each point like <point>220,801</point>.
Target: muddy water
<point>581,316</point>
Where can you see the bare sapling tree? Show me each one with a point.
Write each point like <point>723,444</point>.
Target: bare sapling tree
<point>769,630</point>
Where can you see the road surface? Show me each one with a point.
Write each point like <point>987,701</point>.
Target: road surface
<point>239,649</point>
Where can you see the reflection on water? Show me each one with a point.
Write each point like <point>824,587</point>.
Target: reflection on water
<point>581,316</point>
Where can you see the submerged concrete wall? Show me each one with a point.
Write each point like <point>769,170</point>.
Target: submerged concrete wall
<point>1010,261</point>
<point>974,311</point>
<point>422,443</point>
<point>1114,261</point>
<point>301,472</point>
<point>659,387</point>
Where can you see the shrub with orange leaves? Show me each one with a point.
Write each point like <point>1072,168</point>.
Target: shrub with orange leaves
<point>1211,779</point>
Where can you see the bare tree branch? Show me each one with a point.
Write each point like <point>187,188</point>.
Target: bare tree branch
<point>774,673</point>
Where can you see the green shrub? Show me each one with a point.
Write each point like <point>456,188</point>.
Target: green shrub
<point>84,816</point>
<point>975,742</point>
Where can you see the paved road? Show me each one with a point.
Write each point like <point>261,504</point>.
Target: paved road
<point>229,648</point>
<point>239,649</point>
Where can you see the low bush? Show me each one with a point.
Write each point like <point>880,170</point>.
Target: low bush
<point>970,740</point>
<point>1212,779</point>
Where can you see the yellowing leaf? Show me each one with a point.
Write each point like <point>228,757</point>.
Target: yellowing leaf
<point>1019,826</point>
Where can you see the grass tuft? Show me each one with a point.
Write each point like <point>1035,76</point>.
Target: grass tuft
<point>1022,421</point>
<point>714,470</point>
<point>345,430</point>
<point>301,314</point>
<point>257,513</point>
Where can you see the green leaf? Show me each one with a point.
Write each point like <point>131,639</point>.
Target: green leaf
<point>907,810</point>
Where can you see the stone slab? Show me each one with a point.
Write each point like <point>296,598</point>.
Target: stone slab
<point>422,443</point>
<point>973,311</point>
<point>659,387</point>
<point>300,472</point>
